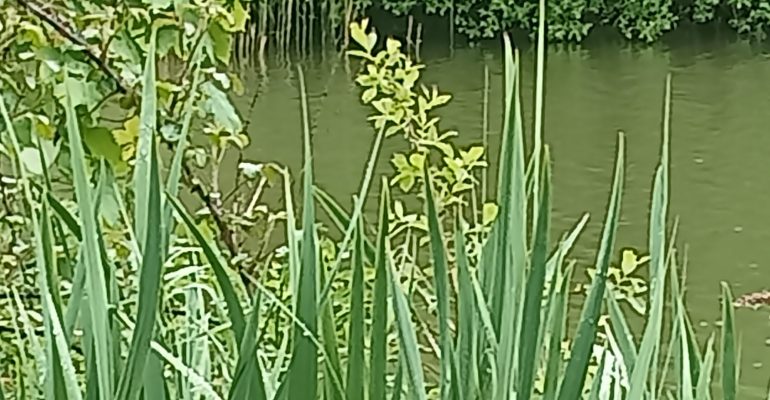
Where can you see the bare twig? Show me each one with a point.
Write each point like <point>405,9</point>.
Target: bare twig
<point>214,206</point>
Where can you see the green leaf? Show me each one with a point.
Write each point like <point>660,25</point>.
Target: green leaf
<point>504,273</point>
<point>145,142</point>
<point>621,331</point>
<point>168,39</point>
<point>489,213</point>
<point>441,282</point>
<point>340,218</point>
<point>531,323</point>
<point>234,309</point>
<point>574,376</point>
<point>407,339</point>
<point>218,105</point>
<point>157,4</point>
<point>557,322</point>
<point>101,143</point>
<point>330,341</point>
<point>650,347</point>
<point>303,372</point>
<point>155,387</point>
<point>131,381</point>
<point>31,158</point>
<point>378,341</point>
<point>247,377</point>
<point>467,379</point>
<point>96,284</point>
<point>60,381</point>
<point>359,35</point>
<point>729,363</point>
<point>221,42</point>
<point>239,16</point>
<point>355,372</point>
<point>175,170</point>
<point>369,95</point>
<point>703,388</point>
<point>83,92</point>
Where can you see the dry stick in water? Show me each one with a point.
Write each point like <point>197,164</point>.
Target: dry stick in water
<point>753,300</point>
<point>418,41</point>
<point>409,42</point>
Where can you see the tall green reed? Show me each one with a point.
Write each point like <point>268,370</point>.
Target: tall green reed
<point>500,323</point>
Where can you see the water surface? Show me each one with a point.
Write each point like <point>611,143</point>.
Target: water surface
<point>720,181</point>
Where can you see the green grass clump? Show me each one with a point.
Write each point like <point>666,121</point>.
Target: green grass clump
<point>501,317</point>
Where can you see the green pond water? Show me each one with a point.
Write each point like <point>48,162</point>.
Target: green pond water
<point>720,141</point>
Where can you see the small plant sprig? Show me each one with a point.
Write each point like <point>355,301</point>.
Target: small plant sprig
<point>389,79</point>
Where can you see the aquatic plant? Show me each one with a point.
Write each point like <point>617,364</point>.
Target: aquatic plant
<point>177,321</point>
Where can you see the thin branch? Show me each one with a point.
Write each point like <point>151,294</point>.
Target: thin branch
<point>72,37</point>
<point>214,207</point>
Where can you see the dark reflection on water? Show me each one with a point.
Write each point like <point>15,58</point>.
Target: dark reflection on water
<point>720,168</point>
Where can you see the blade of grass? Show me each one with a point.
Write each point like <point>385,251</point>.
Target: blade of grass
<point>574,376</point>
<point>531,318</point>
<point>703,388</point>
<point>596,385</point>
<point>62,356</point>
<point>234,309</point>
<point>40,356</point>
<point>688,344</point>
<point>291,237</point>
<point>684,357</point>
<point>355,373</point>
<point>333,368</point>
<point>650,348</point>
<point>304,331</point>
<point>467,382</point>
<point>104,181</point>
<point>565,246</point>
<point>398,382</point>
<point>538,133</point>
<point>55,385</point>
<point>195,348</point>
<point>247,377</point>
<point>378,339</point>
<point>155,387</point>
<point>131,380</point>
<point>729,364</point>
<point>441,282</point>
<point>147,124</point>
<point>340,218</point>
<point>412,362</point>
<point>96,285</point>
<point>199,383</point>
<point>511,233</point>
<point>558,321</point>
<point>621,331</point>
<point>658,219</point>
<point>175,172</point>
<point>359,202</point>
<point>303,373</point>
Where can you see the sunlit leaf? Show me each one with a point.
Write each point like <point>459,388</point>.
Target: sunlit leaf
<point>127,137</point>
<point>220,108</point>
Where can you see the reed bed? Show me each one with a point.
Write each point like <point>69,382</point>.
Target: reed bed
<point>501,318</point>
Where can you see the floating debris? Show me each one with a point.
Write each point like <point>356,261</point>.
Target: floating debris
<point>753,300</point>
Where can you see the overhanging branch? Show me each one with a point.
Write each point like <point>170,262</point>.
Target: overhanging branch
<point>75,39</point>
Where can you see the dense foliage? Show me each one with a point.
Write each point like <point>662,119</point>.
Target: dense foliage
<point>295,24</point>
<point>114,290</point>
